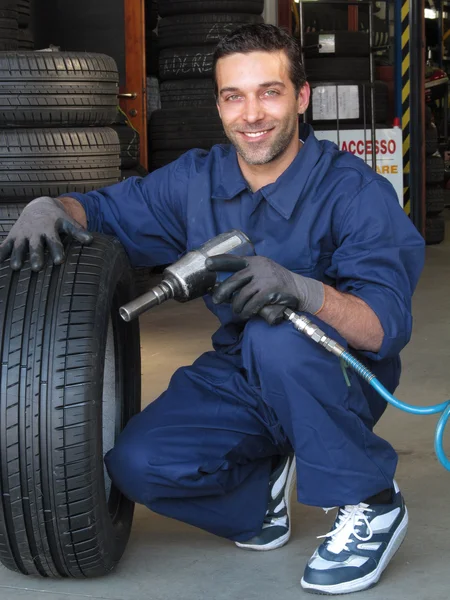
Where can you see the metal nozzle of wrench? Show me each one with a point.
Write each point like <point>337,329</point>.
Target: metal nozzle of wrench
<point>188,278</point>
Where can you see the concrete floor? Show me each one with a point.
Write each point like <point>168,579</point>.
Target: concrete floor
<point>166,560</point>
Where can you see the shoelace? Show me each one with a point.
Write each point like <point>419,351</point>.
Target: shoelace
<point>348,519</point>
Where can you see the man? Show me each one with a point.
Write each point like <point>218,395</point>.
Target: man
<point>219,448</point>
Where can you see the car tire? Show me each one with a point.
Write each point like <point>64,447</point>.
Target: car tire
<point>9,213</point>
<point>70,383</point>
<point>24,12</point>
<point>183,129</point>
<point>186,63</point>
<point>200,30</point>
<point>51,162</point>
<point>168,8</point>
<point>434,230</point>
<point>57,89</point>
<point>129,146</point>
<point>434,199</point>
<point>434,169</point>
<point>9,27</point>
<point>431,139</point>
<point>190,93</point>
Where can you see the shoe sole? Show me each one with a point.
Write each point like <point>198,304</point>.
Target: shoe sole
<point>281,541</point>
<point>368,580</point>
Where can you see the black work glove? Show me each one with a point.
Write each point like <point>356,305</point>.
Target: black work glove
<point>259,282</point>
<point>40,224</point>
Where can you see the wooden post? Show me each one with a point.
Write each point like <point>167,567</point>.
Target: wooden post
<point>136,72</point>
<point>285,14</point>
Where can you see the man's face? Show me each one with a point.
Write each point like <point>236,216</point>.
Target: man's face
<point>257,104</point>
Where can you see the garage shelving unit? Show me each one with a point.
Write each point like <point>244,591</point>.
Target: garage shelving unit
<point>409,85</point>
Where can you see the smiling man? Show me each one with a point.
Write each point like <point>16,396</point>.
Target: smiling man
<point>220,448</point>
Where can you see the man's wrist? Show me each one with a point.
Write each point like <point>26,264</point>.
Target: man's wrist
<point>74,209</point>
<point>311,294</point>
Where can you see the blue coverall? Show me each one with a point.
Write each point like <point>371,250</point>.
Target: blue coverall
<point>202,452</point>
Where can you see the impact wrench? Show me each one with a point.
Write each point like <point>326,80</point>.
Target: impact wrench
<point>189,278</point>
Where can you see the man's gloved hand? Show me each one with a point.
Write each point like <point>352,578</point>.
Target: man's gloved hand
<point>40,223</point>
<point>260,282</point>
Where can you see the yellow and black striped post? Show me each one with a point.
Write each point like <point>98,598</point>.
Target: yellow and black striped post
<point>406,107</point>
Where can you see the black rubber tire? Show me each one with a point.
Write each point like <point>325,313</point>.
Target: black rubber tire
<point>337,68</point>
<point>152,54</point>
<point>129,146</point>
<point>435,199</point>
<point>142,280</point>
<point>190,93</point>
<point>57,89</point>
<point>200,30</point>
<point>151,14</point>
<point>54,330</point>
<point>434,230</point>
<point>51,162</point>
<point>186,63</point>
<point>434,169</point>
<point>137,171</point>
<point>24,12</point>
<point>183,129</point>
<point>346,43</point>
<point>9,213</point>
<point>161,158</point>
<point>431,139</point>
<point>26,39</point>
<point>168,8</point>
<point>9,28</point>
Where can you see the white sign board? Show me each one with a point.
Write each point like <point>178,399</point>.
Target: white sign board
<point>388,151</point>
<point>326,99</point>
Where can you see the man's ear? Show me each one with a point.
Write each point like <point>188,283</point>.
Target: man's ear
<point>303,99</point>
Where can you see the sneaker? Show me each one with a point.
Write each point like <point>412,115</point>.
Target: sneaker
<point>276,529</point>
<point>359,547</point>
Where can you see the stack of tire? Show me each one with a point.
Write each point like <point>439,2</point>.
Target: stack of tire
<point>130,150</point>
<point>9,25</point>
<point>54,134</point>
<point>25,37</point>
<point>188,33</point>
<point>342,58</point>
<point>434,179</point>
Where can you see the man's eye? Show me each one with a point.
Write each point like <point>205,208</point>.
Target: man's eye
<point>233,97</point>
<point>271,93</point>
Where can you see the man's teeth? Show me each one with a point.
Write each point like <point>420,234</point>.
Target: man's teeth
<point>258,134</point>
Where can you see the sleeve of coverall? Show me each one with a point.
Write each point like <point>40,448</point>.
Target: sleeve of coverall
<point>379,258</point>
<point>146,214</point>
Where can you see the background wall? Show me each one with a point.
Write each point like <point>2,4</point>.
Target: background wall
<point>84,25</point>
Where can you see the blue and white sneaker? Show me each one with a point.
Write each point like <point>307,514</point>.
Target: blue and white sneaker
<point>276,529</point>
<point>358,548</point>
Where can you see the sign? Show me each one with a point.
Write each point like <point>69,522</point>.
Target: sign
<point>327,99</point>
<point>388,151</point>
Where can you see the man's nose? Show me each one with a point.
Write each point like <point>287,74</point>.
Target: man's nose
<point>253,111</point>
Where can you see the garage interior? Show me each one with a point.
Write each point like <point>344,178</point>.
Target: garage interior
<point>410,51</point>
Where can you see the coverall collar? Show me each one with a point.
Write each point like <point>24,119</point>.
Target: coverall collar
<point>286,191</point>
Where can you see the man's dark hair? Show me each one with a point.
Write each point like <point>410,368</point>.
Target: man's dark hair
<point>257,37</point>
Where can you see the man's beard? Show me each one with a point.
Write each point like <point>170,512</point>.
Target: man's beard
<point>261,153</point>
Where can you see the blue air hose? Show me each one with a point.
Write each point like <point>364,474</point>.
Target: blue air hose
<point>307,327</point>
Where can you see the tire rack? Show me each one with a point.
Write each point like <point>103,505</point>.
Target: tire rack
<point>370,83</point>
<point>408,16</point>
